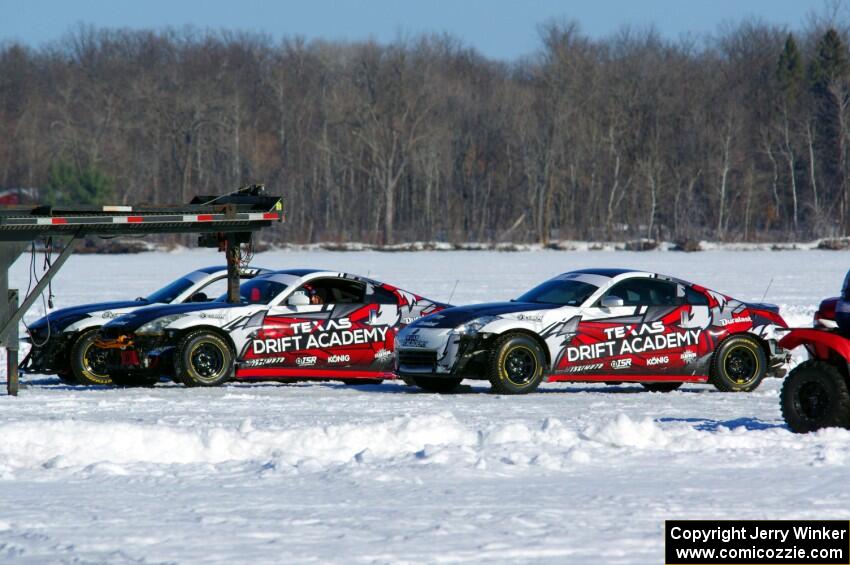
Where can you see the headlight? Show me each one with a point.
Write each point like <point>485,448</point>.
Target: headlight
<point>157,326</point>
<point>473,326</point>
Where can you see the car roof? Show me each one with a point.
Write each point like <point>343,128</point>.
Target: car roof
<point>606,272</point>
<point>297,272</point>
<point>219,268</point>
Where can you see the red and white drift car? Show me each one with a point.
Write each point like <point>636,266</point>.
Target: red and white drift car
<point>293,323</point>
<point>608,325</point>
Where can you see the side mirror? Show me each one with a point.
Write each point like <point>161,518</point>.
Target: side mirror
<point>612,302</point>
<point>298,298</point>
<point>199,297</point>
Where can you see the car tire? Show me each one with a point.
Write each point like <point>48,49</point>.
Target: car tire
<point>660,387</point>
<point>815,396</point>
<point>355,382</point>
<point>87,362</point>
<point>128,379</point>
<point>439,385</point>
<point>204,358</point>
<point>517,364</point>
<point>738,365</point>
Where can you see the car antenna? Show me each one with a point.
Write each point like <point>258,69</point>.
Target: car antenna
<point>768,288</point>
<point>449,301</point>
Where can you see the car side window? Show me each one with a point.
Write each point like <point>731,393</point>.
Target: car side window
<point>381,296</point>
<point>334,291</point>
<point>645,292</point>
<point>212,289</point>
<point>695,297</point>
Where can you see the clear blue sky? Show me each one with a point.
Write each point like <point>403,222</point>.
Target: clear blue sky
<point>497,28</point>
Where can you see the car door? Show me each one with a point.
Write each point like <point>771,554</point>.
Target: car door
<point>640,325</point>
<point>329,323</point>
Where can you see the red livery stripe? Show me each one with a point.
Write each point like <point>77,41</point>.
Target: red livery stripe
<point>134,219</point>
<point>275,373</point>
<point>270,216</point>
<point>59,221</point>
<point>629,378</point>
<point>205,217</point>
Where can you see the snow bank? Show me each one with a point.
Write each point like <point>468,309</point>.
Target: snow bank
<point>56,444</point>
<point>111,448</point>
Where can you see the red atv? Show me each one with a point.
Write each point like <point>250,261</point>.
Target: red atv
<point>816,394</point>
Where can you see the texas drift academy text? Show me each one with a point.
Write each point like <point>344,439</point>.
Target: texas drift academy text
<point>727,534</point>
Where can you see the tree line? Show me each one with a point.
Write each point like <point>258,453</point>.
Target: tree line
<point>741,135</point>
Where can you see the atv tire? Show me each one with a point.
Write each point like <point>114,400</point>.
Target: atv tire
<point>439,385</point>
<point>88,363</point>
<point>204,358</point>
<point>738,365</point>
<point>661,387</point>
<point>815,396</point>
<point>516,365</point>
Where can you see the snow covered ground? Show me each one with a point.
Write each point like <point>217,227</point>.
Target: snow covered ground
<point>323,472</point>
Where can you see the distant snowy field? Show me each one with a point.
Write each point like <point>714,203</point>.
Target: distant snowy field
<point>322,472</point>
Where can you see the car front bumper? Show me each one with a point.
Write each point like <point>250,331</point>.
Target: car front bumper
<point>138,354</point>
<point>439,352</point>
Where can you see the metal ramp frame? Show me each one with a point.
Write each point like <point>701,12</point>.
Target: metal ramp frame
<point>225,221</point>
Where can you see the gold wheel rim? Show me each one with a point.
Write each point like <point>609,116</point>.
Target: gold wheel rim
<point>87,370</point>
<point>756,364</point>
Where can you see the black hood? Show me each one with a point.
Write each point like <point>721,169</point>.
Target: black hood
<point>134,320</point>
<point>458,315</point>
<point>64,317</point>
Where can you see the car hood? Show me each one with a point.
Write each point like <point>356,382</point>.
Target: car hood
<point>136,319</point>
<point>763,306</point>
<point>60,319</point>
<point>453,317</point>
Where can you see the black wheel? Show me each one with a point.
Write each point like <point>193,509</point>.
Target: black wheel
<point>661,387</point>
<point>517,364</point>
<point>204,358</point>
<point>128,379</point>
<point>738,365</point>
<point>815,396</point>
<point>439,385</point>
<point>88,362</point>
<point>354,382</point>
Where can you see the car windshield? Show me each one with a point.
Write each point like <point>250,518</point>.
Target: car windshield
<point>257,291</point>
<point>168,293</point>
<point>559,291</point>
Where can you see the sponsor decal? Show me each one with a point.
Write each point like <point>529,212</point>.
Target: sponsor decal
<point>530,317</point>
<point>110,315</point>
<point>735,320</point>
<point>320,334</point>
<point>688,355</point>
<point>413,340</point>
<point>383,354</point>
<point>584,368</point>
<point>630,340</point>
<point>339,359</point>
<point>660,360</point>
<point>621,363</point>
<point>265,361</point>
<point>306,361</point>
<point>211,316</point>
